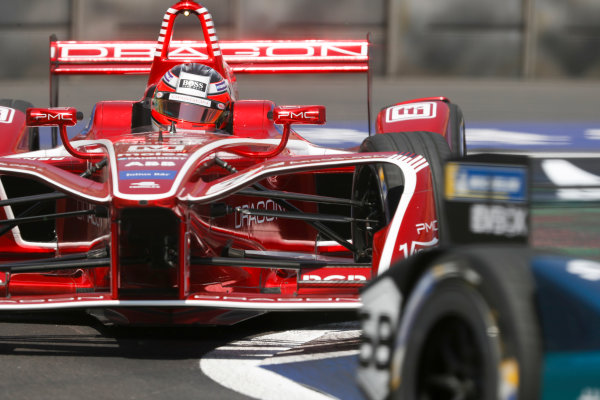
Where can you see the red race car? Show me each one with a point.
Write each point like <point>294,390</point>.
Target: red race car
<point>191,206</point>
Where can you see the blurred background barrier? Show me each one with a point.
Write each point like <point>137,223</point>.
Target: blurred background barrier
<point>449,38</point>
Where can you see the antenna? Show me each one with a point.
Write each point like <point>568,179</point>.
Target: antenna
<point>369,81</point>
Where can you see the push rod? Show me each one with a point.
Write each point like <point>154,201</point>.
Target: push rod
<point>38,267</point>
<point>271,263</point>
<point>31,199</point>
<point>38,218</point>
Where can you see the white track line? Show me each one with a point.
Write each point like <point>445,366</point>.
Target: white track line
<point>237,365</point>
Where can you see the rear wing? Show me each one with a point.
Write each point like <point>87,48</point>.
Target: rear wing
<point>227,57</point>
<point>246,57</point>
<point>251,57</point>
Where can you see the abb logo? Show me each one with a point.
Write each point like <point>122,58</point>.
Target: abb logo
<point>406,112</point>
<point>150,164</point>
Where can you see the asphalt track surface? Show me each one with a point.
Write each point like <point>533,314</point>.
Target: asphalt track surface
<point>70,355</point>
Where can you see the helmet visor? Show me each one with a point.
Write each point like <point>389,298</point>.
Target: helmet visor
<point>202,111</point>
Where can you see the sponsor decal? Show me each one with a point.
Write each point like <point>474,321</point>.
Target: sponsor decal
<point>89,219</point>
<point>427,226</point>
<point>300,115</point>
<point>194,85</point>
<point>75,52</point>
<point>407,112</point>
<point>242,220</point>
<point>150,164</point>
<point>190,99</point>
<point>44,158</point>
<point>142,174</point>
<point>144,158</point>
<point>221,86</point>
<point>144,185</point>
<point>313,277</point>
<point>499,220</point>
<point>6,115</point>
<point>379,317</point>
<point>416,247</point>
<point>170,79</point>
<point>162,148</point>
<point>472,182</point>
<point>52,116</point>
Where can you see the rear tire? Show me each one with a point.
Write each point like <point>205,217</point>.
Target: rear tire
<point>458,142</point>
<point>381,185</point>
<point>474,331</point>
<point>22,105</point>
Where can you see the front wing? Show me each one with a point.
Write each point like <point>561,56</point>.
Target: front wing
<point>339,294</point>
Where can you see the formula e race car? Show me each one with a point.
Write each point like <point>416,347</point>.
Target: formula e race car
<point>511,310</point>
<point>191,206</point>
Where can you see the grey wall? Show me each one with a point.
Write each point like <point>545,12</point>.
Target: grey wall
<point>507,38</point>
<point>533,38</point>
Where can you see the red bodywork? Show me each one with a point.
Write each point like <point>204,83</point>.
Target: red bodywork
<point>196,226</point>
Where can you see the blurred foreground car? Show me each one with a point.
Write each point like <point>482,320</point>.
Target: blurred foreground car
<point>490,316</point>
<point>164,224</point>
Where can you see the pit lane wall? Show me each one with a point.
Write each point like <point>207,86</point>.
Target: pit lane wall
<point>511,38</point>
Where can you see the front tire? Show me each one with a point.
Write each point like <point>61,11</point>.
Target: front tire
<point>470,330</point>
<point>381,185</point>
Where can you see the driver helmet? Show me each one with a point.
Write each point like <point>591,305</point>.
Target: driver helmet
<point>191,95</point>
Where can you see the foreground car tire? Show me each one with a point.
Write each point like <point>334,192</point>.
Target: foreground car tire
<point>469,330</point>
<point>382,185</point>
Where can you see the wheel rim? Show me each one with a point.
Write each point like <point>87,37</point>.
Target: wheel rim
<point>367,190</point>
<point>452,363</point>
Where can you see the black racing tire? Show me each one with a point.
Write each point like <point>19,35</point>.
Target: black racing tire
<point>22,105</point>
<point>474,331</point>
<point>382,184</point>
<point>458,141</point>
